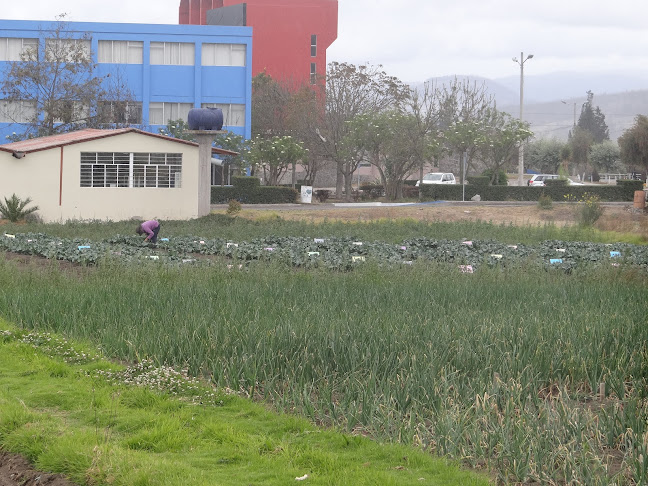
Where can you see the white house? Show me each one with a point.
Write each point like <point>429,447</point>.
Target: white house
<point>107,174</point>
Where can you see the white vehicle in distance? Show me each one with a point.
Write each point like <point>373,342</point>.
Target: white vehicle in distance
<point>539,180</point>
<point>438,178</point>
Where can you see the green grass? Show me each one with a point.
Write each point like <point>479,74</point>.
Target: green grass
<point>67,418</point>
<point>392,231</point>
<point>500,367</point>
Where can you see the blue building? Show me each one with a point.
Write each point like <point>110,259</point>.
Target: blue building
<point>169,69</point>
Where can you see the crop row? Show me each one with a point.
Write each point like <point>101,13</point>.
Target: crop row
<point>333,253</point>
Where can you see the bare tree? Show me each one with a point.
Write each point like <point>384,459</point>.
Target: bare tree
<point>57,78</point>
<point>351,91</point>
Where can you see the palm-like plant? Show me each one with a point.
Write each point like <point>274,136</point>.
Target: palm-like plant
<point>14,209</point>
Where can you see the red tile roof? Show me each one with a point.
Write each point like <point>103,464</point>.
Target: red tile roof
<point>88,134</point>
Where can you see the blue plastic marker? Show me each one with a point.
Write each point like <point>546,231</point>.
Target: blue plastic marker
<point>164,239</point>
<point>614,254</point>
<point>555,260</point>
<point>82,247</point>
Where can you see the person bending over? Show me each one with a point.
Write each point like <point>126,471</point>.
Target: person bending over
<point>151,228</point>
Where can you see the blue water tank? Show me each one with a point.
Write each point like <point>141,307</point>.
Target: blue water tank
<point>205,119</point>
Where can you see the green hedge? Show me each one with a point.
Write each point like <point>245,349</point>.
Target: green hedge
<point>436,192</point>
<point>247,190</point>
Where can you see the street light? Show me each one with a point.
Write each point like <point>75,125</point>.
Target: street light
<point>521,153</point>
<point>564,103</point>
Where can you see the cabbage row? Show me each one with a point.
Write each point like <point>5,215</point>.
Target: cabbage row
<point>333,253</point>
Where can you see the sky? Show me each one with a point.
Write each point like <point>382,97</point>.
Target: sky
<point>418,39</point>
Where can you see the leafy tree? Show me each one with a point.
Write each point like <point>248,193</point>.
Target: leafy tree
<point>546,155</point>
<point>593,120</point>
<point>382,137</point>
<point>604,156</point>
<point>463,107</point>
<point>633,144</point>
<point>57,76</point>
<point>581,143</point>
<point>498,140</point>
<point>274,155</point>
<point>352,91</point>
<point>284,108</point>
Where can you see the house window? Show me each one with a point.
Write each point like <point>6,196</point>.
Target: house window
<point>223,54</point>
<point>173,53</point>
<point>233,114</point>
<point>67,50</point>
<point>313,73</point>
<point>162,113</point>
<point>128,169</point>
<point>12,49</point>
<point>17,111</point>
<point>122,112</point>
<point>120,52</point>
<point>313,45</point>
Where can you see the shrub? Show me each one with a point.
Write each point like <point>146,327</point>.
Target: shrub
<point>501,178</point>
<point>245,183</point>
<point>373,190</point>
<point>590,209</point>
<point>259,195</point>
<point>15,209</point>
<point>545,202</point>
<point>233,207</point>
<point>410,192</point>
<point>556,182</point>
<point>322,195</point>
<point>480,181</point>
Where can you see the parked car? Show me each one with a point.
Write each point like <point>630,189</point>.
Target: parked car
<point>539,180</point>
<point>438,178</point>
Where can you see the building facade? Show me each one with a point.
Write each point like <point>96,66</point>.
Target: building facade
<point>169,69</point>
<point>107,174</point>
<point>290,36</point>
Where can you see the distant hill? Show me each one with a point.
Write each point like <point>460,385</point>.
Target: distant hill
<point>549,99</point>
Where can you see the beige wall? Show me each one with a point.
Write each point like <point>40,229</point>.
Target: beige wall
<point>37,175</point>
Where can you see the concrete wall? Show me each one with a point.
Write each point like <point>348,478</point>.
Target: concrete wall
<point>54,185</point>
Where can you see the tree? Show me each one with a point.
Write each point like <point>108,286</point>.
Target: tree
<point>581,143</point>
<point>352,91</point>
<point>499,138</point>
<point>546,155</point>
<point>274,156</point>
<point>463,108</point>
<point>633,145</point>
<point>605,156</point>
<point>57,77</point>
<point>593,120</point>
<point>383,139</point>
<point>227,141</point>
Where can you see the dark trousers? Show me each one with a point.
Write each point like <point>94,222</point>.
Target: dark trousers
<point>155,233</point>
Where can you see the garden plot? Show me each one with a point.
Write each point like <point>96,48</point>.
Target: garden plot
<point>331,253</point>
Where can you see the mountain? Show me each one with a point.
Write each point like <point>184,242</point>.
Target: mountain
<point>550,100</point>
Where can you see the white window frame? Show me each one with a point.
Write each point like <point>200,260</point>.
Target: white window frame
<point>85,45</point>
<point>133,112</point>
<point>17,111</point>
<point>224,55</point>
<point>130,170</point>
<point>313,73</point>
<point>169,111</point>
<point>120,52</point>
<point>172,53</point>
<point>13,48</point>
<point>314,45</point>
<point>233,113</point>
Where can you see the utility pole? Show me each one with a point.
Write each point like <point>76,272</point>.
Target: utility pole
<point>521,152</point>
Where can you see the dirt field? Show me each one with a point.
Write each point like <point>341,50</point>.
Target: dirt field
<point>616,217</point>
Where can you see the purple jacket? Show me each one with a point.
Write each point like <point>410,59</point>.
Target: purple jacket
<point>149,226</point>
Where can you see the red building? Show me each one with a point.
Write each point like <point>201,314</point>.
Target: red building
<point>289,39</point>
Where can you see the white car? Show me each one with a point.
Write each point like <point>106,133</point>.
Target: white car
<point>539,180</point>
<point>438,178</point>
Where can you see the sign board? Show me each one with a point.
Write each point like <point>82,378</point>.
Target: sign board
<point>306,194</point>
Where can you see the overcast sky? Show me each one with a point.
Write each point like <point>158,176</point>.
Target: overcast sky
<point>418,39</point>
